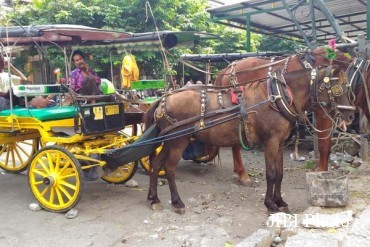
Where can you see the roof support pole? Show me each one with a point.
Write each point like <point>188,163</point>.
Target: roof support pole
<point>248,25</point>
<point>367,19</point>
<point>313,21</point>
<point>329,16</point>
<point>298,26</point>
<point>208,74</point>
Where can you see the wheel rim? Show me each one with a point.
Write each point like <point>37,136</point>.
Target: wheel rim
<point>121,174</point>
<point>146,164</point>
<point>210,156</point>
<point>55,179</point>
<point>15,156</point>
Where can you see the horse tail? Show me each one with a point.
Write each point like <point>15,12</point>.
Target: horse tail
<point>148,118</point>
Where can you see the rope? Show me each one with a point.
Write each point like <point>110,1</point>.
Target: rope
<point>163,51</point>
<point>245,147</point>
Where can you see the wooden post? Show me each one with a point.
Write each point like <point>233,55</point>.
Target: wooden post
<point>364,149</point>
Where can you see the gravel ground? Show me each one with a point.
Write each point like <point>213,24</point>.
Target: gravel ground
<point>218,209</point>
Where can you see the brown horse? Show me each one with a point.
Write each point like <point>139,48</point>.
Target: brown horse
<point>260,67</point>
<point>358,73</point>
<point>210,116</point>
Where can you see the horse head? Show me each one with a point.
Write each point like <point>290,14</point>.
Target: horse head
<point>333,94</point>
<point>318,57</point>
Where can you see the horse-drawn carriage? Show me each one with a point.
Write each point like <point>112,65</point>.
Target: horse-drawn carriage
<point>72,140</point>
<point>61,145</point>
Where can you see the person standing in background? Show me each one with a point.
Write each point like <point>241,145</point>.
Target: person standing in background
<point>16,78</point>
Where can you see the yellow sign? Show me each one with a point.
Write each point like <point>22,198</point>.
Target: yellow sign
<point>98,113</point>
<point>111,110</point>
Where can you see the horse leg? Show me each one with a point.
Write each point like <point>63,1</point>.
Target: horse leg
<point>271,159</point>
<point>324,143</point>
<point>239,170</point>
<point>279,178</point>
<point>153,174</point>
<point>172,159</point>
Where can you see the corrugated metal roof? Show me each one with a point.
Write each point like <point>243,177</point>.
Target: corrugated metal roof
<point>272,18</point>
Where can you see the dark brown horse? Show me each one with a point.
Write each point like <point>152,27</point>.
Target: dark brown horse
<point>358,73</point>
<point>260,67</point>
<point>218,122</point>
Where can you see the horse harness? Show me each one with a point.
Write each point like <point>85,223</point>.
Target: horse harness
<point>355,73</point>
<point>281,91</point>
<point>279,97</point>
<point>200,119</point>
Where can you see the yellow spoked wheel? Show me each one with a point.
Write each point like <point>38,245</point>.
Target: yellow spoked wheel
<point>55,179</point>
<point>15,156</point>
<point>122,174</point>
<point>145,163</point>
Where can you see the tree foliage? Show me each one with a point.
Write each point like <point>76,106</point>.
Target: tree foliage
<point>271,43</point>
<point>135,16</point>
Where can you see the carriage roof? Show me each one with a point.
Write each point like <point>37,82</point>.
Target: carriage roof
<point>64,34</point>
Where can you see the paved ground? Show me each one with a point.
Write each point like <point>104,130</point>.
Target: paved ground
<point>219,210</point>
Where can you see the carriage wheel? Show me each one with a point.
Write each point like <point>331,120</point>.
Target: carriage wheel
<point>146,164</point>
<point>210,156</point>
<point>15,156</point>
<point>55,179</point>
<point>122,174</point>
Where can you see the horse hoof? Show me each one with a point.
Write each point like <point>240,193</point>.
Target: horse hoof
<point>271,211</point>
<point>245,182</point>
<point>180,211</point>
<point>284,210</point>
<point>157,207</point>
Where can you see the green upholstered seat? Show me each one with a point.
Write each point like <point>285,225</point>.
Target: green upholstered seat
<point>43,114</point>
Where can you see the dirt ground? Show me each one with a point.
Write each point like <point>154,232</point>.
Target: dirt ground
<point>115,215</point>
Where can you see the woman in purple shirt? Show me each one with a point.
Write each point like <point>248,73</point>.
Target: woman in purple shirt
<point>83,79</point>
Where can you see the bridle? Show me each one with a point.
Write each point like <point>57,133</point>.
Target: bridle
<point>333,90</point>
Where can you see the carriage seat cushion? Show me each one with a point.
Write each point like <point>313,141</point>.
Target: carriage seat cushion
<point>43,114</point>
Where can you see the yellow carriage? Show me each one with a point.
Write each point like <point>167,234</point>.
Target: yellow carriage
<point>60,144</point>
<point>57,144</point>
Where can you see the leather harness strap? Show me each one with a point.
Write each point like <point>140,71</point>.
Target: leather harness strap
<point>197,118</point>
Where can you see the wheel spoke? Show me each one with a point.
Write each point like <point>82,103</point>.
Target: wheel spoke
<point>51,161</point>
<point>39,172</point>
<point>66,184</point>
<point>68,176</point>
<point>37,182</point>
<point>7,155</point>
<point>60,197</point>
<point>57,162</point>
<point>44,191</point>
<point>3,149</point>
<point>16,150</point>
<point>65,192</point>
<point>65,166</point>
<point>43,165</point>
<point>52,195</point>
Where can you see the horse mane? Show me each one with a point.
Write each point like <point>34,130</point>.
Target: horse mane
<point>343,59</point>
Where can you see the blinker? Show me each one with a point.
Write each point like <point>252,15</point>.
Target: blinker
<point>337,90</point>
